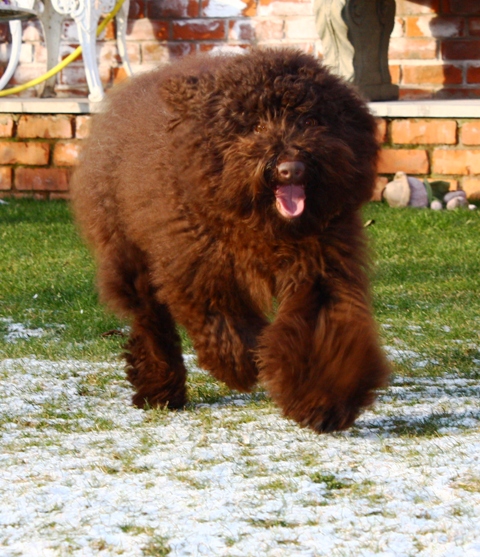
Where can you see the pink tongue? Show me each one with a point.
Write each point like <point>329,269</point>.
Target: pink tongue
<point>290,200</point>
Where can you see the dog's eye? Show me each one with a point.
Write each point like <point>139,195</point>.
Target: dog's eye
<point>259,128</point>
<point>310,123</point>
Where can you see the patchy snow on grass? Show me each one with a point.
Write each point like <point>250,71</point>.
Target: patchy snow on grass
<point>83,473</point>
<point>13,332</point>
<point>17,331</point>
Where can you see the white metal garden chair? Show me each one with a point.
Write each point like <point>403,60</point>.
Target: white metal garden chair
<point>51,13</point>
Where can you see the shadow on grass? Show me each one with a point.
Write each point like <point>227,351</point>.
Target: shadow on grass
<point>427,425</point>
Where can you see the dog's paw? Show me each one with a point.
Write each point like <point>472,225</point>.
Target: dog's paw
<point>159,400</point>
<point>329,418</point>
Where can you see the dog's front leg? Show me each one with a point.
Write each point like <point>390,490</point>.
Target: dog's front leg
<point>320,359</point>
<point>225,339</point>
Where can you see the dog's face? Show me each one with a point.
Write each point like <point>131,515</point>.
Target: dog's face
<point>282,140</point>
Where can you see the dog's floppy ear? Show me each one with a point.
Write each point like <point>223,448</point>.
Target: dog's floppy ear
<point>184,92</point>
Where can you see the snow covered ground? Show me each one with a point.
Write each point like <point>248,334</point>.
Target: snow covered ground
<point>83,473</point>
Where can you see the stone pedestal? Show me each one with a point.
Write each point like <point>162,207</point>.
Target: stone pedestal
<point>355,36</point>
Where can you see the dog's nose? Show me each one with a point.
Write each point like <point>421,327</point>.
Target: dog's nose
<point>291,172</point>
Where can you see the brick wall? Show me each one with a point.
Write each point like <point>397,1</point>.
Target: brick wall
<point>440,149</point>
<point>38,152</point>
<point>160,30</point>
<point>434,49</point>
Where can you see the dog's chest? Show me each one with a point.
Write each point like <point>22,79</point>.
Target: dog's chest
<point>266,269</point>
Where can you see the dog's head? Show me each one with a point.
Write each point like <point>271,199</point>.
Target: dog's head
<point>277,137</point>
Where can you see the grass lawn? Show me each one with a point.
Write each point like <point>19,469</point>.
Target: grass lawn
<point>426,287</point>
<point>85,474</point>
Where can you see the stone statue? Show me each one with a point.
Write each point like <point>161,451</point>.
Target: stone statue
<point>355,36</point>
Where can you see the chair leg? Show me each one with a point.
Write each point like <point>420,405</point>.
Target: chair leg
<point>121,20</point>
<point>86,21</point>
<point>52,28</point>
<point>16,31</point>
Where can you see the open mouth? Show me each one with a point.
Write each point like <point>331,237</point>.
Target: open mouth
<point>290,200</point>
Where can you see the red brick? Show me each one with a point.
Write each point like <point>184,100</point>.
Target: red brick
<point>411,161</point>
<point>57,195</point>
<point>13,152</point>
<point>457,93</point>
<point>147,29</point>
<point>40,53</point>
<point>107,53</point>
<point>266,30</point>
<point>471,186</point>
<point>412,49</point>
<point>5,178</point>
<point>40,196</point>
<point>284,8</point>
<point>473,73</point>
<point>178,50</point>
<point>82,126</point>
<point>200,29</point>
<point>381,132</point>
<point>73,76</point>
<point>173,9</point>
<point>464,7</point>
<point>69,32</point>
<point>398,27</point>
<point>463,49</point>
<point>251,8</point>
<point>415,26</point>
<point>407,7</point>
<point>26,72</point>
<point>474,26</point>
<point>415,93</point>
<point>109,32</point>
<point>220,8</point>
<point>4,32</point>
<point>241,30</point>
<point>380,184</point>
<point>66,153</point>
<point>456,161</point>
<point>438,27</point>
<point>154,52</point>
<point>434,74</point>
<point>119,75</point>
<point>41,179</point>
<point>133,53</point>
<point>6,126</point>
<point>417,132</point>
<point>33,126</point>
<point>471,133</point>
<point>395,72</point>
<point>447,27</point>
<point>136,9</point>
<point>299,28</point>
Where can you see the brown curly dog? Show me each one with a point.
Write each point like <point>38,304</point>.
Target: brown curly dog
<point>216,185</point>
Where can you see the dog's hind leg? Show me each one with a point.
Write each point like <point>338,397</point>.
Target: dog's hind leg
<point>153,354</point>
<point>154,359</point>
<point>320,359</point>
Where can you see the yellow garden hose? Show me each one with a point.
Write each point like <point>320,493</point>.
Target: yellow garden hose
<point>70,58</point>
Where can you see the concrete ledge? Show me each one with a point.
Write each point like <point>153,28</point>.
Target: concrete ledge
<point>427,109</point>
<point>48,106</point>
<point>391,109</point>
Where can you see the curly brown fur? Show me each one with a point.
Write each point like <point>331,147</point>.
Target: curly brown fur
<point>209,188</point>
